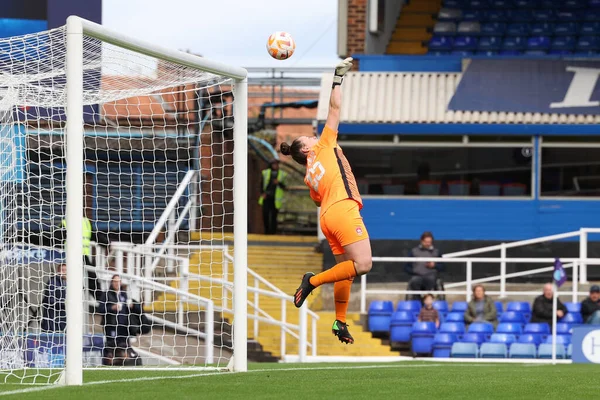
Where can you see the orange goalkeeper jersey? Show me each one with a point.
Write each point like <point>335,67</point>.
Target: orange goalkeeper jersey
<point>328,173</point>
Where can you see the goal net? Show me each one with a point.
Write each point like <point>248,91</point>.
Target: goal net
<point>116,174</point>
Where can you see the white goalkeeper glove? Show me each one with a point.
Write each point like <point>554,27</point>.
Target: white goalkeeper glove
<point>340,71</point>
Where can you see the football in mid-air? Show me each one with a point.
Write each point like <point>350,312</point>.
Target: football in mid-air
<point>281,45</point>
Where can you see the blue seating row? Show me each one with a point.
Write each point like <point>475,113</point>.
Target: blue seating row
<point>501,350</point>
<point>518,15</point>
<point>591,28</point>
<point>522,4</point>
<point>533,44</point>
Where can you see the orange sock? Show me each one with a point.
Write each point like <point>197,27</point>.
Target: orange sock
<point>341,295</point>
<point>339,272</point>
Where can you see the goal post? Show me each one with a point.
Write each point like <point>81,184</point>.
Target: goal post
<point>60,75</point>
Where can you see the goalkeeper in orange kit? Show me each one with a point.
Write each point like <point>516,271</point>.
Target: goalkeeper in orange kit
<point>333,188</point>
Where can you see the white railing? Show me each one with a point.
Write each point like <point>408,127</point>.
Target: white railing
<point>134,254</point>
<point>469,281</point>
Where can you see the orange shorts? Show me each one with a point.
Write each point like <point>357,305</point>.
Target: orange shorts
<point>342,225</point>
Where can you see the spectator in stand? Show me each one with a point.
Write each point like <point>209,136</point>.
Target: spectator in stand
<point>271,195</point>
<point>54,314</point>
<point>542,307</point>
<point>590,307</point>
<point>116,308</point>
<point>428,313</point>
<point>481,308</point>
<point>424,275</point>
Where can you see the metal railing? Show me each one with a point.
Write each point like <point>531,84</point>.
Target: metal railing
<point>573,263</point>
<point>135,254</point>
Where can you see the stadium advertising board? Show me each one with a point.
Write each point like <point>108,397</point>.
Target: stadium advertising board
<point>586,344</point>
<point>529,86</point>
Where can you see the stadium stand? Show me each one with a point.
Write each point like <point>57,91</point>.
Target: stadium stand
<point>517,338</point>
<point>530,27</point>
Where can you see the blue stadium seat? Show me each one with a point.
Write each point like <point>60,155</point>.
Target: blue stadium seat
<point>534,338</point>
<point>513,316</point>
<point>543,15</point>
<point>463,53</point>
<point>444,28</point>
<point>564,43</point>
<point>455,317</point>
<point>545,351</point>
<point>519,306</point>
<point>590,28</point>
<point>442,343</point>
<point>459,188</point>
<point>573,307</point>
<point>549,4</point>
<point>429,188</point>
<point>493,350</point>
<point>441,306</point>
<point>594,3</point>
<point>460,306</point>
<point>514,189</point>
<point>520,16</point>
<point>449,14</point>
<point>489,43</point>
<point>566,29</point>
<point>379,316</point>
<point>401,326</point>
<point>509,327</point>
<point>517,29</point>
<point>572,318</point>
<point>574,4</point>
<point>464,350</point>
<point>505,338</point>
<point>393,189</point>
<point>409,305</point>
<point>541,29</point>
<point>539,328</point>
<point>457,328</point>
<point>560,52</point>
<point>440,43</point>
<point>510,52</point>
<point>479,4</point>
<point>591,15</point>
<point>568,15</point>
<point>487,53</point>
<point>469,28</point>
<point>501,4</point>
<point>565,340</point>
<point>563,329</point>
<point>453,3</point>
<point>522,350</point>
<point>492,29</point>
<point>498,304</point>
<point>513,43</point>
<point>525,3</point>
<point>481,327</point>
<point>538,43</point>
<point>495,16</point>
<point>422,337</point>
<point>473,338</point>
<point>473,15</point>
<point>536,52</point>
<point>434,53</point>
<point>569,351</point>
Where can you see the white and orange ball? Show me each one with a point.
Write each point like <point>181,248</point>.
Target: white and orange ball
<point>281,45</point>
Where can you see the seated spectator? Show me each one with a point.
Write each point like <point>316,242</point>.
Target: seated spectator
<point>424,274</point>
<point>54,314</point>
<point>590,307</point>
<point>116,308</point>
<point>481,308</point>
<point>428,313</point>
<point>542,307</point>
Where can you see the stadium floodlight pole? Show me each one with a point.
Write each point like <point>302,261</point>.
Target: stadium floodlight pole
<point>73,374</point>
<point>240,225</point>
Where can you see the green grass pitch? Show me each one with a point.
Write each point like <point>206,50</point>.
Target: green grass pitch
<point>405,380</point>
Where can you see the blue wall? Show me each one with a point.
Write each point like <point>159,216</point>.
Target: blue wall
<point>455,219</point>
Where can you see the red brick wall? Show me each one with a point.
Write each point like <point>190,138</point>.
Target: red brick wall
<point>357,26</point>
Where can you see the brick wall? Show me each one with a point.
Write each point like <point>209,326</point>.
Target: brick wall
<point>357,26</point>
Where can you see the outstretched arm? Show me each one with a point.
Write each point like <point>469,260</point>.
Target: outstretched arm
<point>335,100</point>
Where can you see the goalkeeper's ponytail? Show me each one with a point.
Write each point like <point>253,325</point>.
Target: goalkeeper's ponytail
<point>295,150</point>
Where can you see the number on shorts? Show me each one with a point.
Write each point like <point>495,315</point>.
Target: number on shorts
<point>315,173</point>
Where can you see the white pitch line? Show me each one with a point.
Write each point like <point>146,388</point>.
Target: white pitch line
<point>156,378</point>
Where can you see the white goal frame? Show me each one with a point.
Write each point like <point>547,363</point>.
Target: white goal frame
<point>75,31</point>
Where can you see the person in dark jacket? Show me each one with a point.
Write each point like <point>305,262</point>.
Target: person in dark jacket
<point>272,185</point>
<point>542,307</point>
<point>116,310</point>
<point>590,307</point>
<point>424,274</point>
<point>481,308</point>
<point>54,314</point>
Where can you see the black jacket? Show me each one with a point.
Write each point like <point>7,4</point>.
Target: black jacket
<point>54,314</point>
<point>542,309</point>
<point>588,307</point>
<point>112,319</point>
